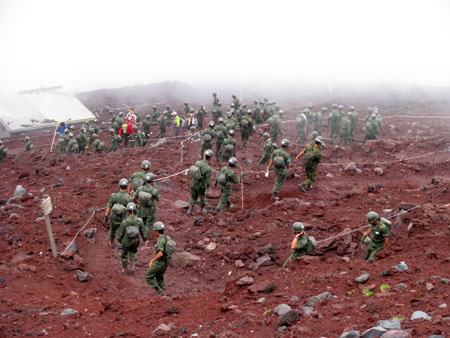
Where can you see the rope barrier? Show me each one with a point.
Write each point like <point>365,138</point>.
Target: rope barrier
<point>73,240</point>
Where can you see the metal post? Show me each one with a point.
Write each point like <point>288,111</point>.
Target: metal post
<point>50,235</point>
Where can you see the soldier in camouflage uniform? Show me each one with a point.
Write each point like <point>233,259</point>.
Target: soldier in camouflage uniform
<point>275,126</point>
<point>229,177</point>
<point>333,122</point>
<point>311,159</point>
<point>281,161</point>
<point>318,120</point>
<point>216,100</point>
<point>3,151</point>
<point>268,148</point>
<point>299,243</point>
<point>345,130</point>
<point>301,125</point>
<point>220,132</point>
<point>147,208</point>
<point>162,121</point>
<point>200,186</point>
<point>354,119</point>
<point>225,151</point>
<point>28,145</point>
<point>139,176</point>
<point>72,146</point>
<point>122,198</point>
<point>216,112</point>
<point>146,128</point>
<point>138,137</point>
<point>63,140</point>
<point>236,102</point>
<point>200,115</point>
<point>246,128</point>
<point>207,136</point>
<point>115,140</point>
<point>98,146</point>
<point>129,241</point>
<point>159,263</point>
<point>379,232</point>
<point>372,129</point>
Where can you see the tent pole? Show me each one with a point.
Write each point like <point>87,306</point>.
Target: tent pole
<point>54,135</point>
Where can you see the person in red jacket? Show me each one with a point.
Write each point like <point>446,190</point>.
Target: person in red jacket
<point>125,131</point>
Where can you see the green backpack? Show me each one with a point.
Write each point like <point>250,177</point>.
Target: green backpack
<point>312,245</point>
<point>222,178</point>
<point>137,182</point>
<point>278,161</point>
<point>132,232</point>
<point>228,148</point>
<point>170,247</point>
<point>118,211</point>
<point>146,199</point>
<point>195,172</point>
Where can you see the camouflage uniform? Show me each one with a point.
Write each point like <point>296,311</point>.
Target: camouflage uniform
<point>146,213</point>
<point>226,188</point>
<point>267,152</point>
<point>345,130</point>
<point>130,245</point>
<point>122,198</point>
<point>155,275</point>
<point>206,144</point>
<point>219,130</point>
<point>301,126</point>
<point>280,172</point>
<point>226,154</point>
<point>311,159</point>
<point>377,235</point>
<point>198,188</point>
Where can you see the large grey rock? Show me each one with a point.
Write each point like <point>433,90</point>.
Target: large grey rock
<point>350,334</point>
<point>294,299</point>
<point>210,247</point>
<point>390,324</point>
<point>181,204</point>
<point>374,332</point>
<point>362,278</point>
<point>184,259</point>
<point>282,309</point>
<point>396,334</point>
<point>263,260</point>
<point>83,276</point>
<point>307,310</point>
<point>245,281</point>
<point>420,315</point>
<point>19,192</point>
<point>288,318</point>
<point>319,298</point>
<point>436,336</point>
<point>68,311</point>
<point>161,330</point>
<point>350,167</point>
<point>378,171</point>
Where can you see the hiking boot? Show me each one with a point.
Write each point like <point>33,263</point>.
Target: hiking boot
<point>274,197</point>
<point>160,291</point>
<point>111,243</point>
<point>302,187</point>
<point>230,207</point>
<point>204,211</point>
<point>309,188</point>
<point>125,270</point>
<point>189,212</point>
<point>133,267</point>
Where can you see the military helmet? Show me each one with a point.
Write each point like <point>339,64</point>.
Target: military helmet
<point>111,131</point>
<point>214,94</point>
<point>306,111</point>
<point>93,135</point>
<point>373,116</point>
<point>351,108</point>
<point>372,216</point>
<point>266,135</point>
<point>147,116</point>
<point>27,138</point>
<point>311,106</point>
<point>211,123</point>
<point>72,127</point>
<point>231,132</point>
<point>66,131</point>
<point>154,107</point>
<point>158,226</point>
<point>145,164</point>
<point>324,109</point>
<point>83,129</point>
<point>298,227</point>
<point>192,128</point>
<point>186,103</point>
<point>255,101</point>
<point>209,153</point>
<point>232,105</point>
<point>131,207</point>
<point>202,106</point>
<point>233,96</point>
<point>121,114</point>
<point>334,106</point>
<point>249,112</point>
<point>220,120</point>
<point>284,142</point>
<point>229,114</point>
<point>281,112</point>
<point>341,107</point>
<point>135,128</point>
<point>320,138</point>
<point>123,183</point>
<point>71,135</point>
<point>244,105</point>
<point>370,110</point>
<point>96,121</point>
<point>233,161</point>
<point>1,142</point>
<point>314,134</point>
<point>167,106</point>
<point>219,103</point>
<point>317,141</point>
<point>150,177</point>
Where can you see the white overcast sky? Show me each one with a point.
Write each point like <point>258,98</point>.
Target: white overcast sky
<point>91,44</point>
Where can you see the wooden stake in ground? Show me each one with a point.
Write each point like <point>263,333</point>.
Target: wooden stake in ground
<point>47,208</point>
<point>54,135</point>
<point>242,191</point>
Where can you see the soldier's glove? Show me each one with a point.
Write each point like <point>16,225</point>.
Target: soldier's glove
<point>105,220</point>
<point>363,239</point>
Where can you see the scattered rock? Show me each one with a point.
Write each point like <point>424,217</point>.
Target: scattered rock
<point>420,315</point>
<point>282,309</point>
<point>198,221</point>
<point>264,287</point>
<point>245,281</point>
<point>378,171</point>
<point>401,267</point>
<point>387,211</point>
<point>68,311</point>
<point>83,276</point>
<point>70,250</point>
<point>26,267</point>
<point>294,299</point>
<point>263,260</point>
<point>319,298</point>
<point>19,192</point>
<point>350,334</point>
<point>374,332</point>
<point>330,175</point>
<point>161,330</point>
<point>183,259</point>
<point>288,318</point>
<point>401,286</point>
<point>429,286</point>
<point>267,250</point>
<point>362,278</point>
<point>210,247</point>
<point>261,300</point>
<point>239,264</point>
<point>396,334</point>
<point>350,167</point>
<point>14,216</point>
<point>307,310</point>
<point>281,328</point>
<point>181,204</point>
<point>445,280</point>
<point>390,324</point>
<point>89,233</point>
<point>441,306</point>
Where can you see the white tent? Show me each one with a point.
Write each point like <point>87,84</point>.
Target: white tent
<point>40,108</point>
